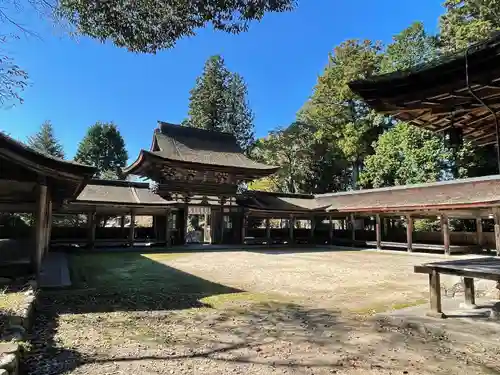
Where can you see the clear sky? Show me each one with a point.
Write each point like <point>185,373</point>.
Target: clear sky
<point>75,83</point>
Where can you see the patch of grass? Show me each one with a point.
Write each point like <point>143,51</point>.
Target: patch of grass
<point>11,301</point>
<point>239,299</point>
<point>376,309</point>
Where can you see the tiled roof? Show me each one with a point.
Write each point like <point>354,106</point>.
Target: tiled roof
<point>192,145</point>
<point>120,193</point>
<point>446,194</point>
<point>260,200</point>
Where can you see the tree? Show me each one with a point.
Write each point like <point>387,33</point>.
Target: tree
<point>46,142</point>
<point>411,47</point>
<point>339,116</point>
<point>405,155</point>
<point>468,21</point>
<point>218,102</point>
<point>104,148</point>
<point>152,25</point>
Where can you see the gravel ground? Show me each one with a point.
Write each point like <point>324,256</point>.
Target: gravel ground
<point>300,313</point>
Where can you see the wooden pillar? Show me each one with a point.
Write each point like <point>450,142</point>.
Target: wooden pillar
<point>330,231</point>
<point>48,223</point>
<point>168,240</point>
<point>244,227</point>
<point>353,227</point>
<point>445,228</point>
<point>409,233</point>
<point>291,228</point>
<point>311,232</point>
<point>268,232</point>
<point>206,233</point>
<point>40,229</point>
<point>479,232</point>
<point>221,222</point>
<point>131,235</point>
<point>91,223</point>
<point>435,295</point>
<point>378,232</point>
<point>470,294</point>
<point>496,215</point>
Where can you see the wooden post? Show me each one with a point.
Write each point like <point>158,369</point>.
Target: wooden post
<point>435,295</point>
<point>291,227</point>
<point>206,233</point>
<point>131,235</point>
<point>496,215</point>
<point>221,222</point>
<point>353,227</point>
<point>311,232</point>
<point>445,228</point>
<point>378,232</point>
<point>186,219</point>
<point>91,223</point>
<point>470,294</point>
<point>268,232</point>
<point>40,217</point>
<point>409,233</point>
<point>48,223</point>
<point>168,240</point>
<point>479,232</point>
<point>244,227</point>
<point>330,233</point>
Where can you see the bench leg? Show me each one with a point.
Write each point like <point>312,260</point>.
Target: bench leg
<point>470,295</point>
<point>435,295</point>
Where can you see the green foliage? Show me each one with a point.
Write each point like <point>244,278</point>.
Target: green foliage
<point>468,21</point>
<point>409,48</point>
<point>339,116</point>
<point>218,102</point>
<point>405,155</point>
<point>152,25</point>
<point>45,141</point>
<point>104,148</point>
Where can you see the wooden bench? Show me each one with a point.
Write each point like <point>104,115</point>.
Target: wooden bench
<point>479,268</point>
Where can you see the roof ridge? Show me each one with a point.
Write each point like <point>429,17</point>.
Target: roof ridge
<point>412,186</point>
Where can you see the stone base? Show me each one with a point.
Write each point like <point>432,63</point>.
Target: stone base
<point>435,314</point>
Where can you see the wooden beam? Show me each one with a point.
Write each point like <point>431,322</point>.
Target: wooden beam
<point>311,231</point>
<point>244,227</point>
<point>291,228</point>
<point>91,223</point>
<point>268,232</point>
<point>378,232</point>
<point>479,232</point>
<point>131,235</point>
<point>353,227</point>
<point>40,229</point>
<point>445,229</point>
<point>496,216</point>
<point>409,233</point>
<point>330,232</point>
<point>48,223</point>
<point>168,221</point>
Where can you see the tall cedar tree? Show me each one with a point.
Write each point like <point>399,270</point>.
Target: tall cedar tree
<point>152,25</point>
<point>218,102</point>
<point>339,116</point>
<point>103,147</point>
<point>46,142</point>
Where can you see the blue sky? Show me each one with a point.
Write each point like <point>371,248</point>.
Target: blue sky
<point>75,83</point>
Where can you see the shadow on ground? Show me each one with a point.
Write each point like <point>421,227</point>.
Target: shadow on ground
<point>131,314</point>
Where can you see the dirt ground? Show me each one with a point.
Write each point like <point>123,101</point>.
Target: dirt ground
<point>249,313</point>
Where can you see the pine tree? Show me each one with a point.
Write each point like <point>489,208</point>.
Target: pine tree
<point>103,147</point>
<point>239,115</point>
<point>45,141</point>
<point>218,102</point>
